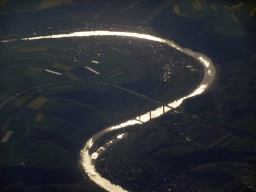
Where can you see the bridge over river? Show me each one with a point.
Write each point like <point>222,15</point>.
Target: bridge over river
<point>87,160</point>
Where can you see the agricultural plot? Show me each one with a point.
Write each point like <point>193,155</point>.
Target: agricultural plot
<point>25,114</point>
<point>185,7</point>
<point>39,117</point>
<point>212,137</point>
<point>10,76</point>
<point>10,111</point>
<point>72,119</point>
<point>44,156</point>
<point>65,113</point>
<point>33,71</point>
<point>108,62</point>
<point>22,100</point>
<point>27,6</point>
<point>59,115</point>
<point>61,66</point>
<point>115,59</point>
<point>121,77</point>
<point>3,2</point>
<point>37,103</point>
<point>83,72</point>
<point>22,59</point>
<point>114,73</point>
<point>15,5</point>
<point>59,52</point>
<point>27,64</point>
<point>240,144</point>
<point>72,76</point>
<point>13,147</point>
<point>60,88</point>
<point>32,128</point>
<point>30,49</point>
<point>217,175</point>
<point>224,22</point>
<point>56,104</point>
<point>52,3</point>
<point>191,148</point>
<point>246,123</point>
<point>4,127</point>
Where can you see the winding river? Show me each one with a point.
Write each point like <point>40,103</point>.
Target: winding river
<point>87,161</point>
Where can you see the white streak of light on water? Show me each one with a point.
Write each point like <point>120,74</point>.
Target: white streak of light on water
<point>86,159</point>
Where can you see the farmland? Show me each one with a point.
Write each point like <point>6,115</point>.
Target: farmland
<point>72,96</point>
<point>176,145</point>
<point>57,93</point>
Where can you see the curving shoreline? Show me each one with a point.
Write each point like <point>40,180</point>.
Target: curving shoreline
<point>86,160</point>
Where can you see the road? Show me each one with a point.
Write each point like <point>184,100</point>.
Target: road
<point>231,129</point>
<point>86,159</point>
<point>143,96</point>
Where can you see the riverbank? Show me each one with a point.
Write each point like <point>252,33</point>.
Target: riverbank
<point>87,160</point>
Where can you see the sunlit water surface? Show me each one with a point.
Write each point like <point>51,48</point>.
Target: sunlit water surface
<point>88,161</point>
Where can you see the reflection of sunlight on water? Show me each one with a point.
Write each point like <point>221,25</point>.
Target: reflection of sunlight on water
<point>90,170</point>
<point>176,103</point>
<point>120,136</point>
<point>127,123</point>
<point>145,117</point>
<point>5,41</point>
<point>99,33</point>
<point>198,91</point>
<point>86,159</point>
<point>209,72</point>
<point>157,112</point>
<point>167,109</point>
<point>90,143</point>
<point>95,155</point>
<point>204,61</point>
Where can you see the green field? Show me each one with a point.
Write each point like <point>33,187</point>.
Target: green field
<point>52,122</point>
<point>41,111</point>
<point>171,147</point>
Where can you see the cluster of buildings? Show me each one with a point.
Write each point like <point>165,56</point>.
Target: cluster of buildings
<point>165,57</point>
<point>136,175</point>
